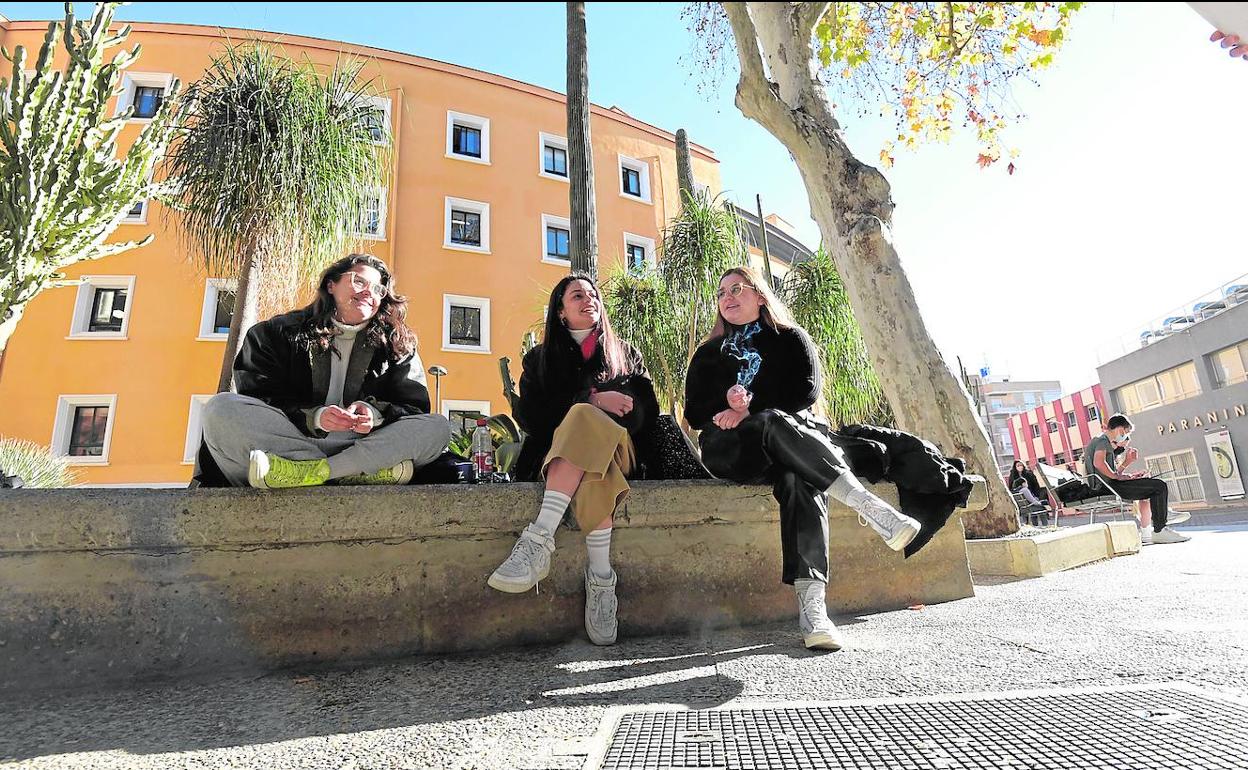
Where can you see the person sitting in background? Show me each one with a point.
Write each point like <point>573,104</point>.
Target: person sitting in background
<point>1024,482</point>
<point>332,392</point>
<point>1100,460</point>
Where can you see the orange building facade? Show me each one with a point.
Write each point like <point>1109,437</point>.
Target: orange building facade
<point>115,369</point>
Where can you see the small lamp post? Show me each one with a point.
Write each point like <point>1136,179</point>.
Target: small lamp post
<point>438,372</point>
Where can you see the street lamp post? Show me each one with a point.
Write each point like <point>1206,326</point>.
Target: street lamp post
<point>438,372</point>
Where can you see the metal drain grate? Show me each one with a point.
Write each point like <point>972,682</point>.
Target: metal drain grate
<point>1162,728</point>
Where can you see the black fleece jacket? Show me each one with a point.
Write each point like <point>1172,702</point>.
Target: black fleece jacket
<point>788,378</point>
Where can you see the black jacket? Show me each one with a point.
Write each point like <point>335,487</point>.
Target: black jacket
<point>787,380</point>
<point>545,401</point>
<point>1027,477</point>
<point>274,367</point>
<point>929,485</point>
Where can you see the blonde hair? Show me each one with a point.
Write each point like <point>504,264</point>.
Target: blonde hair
<point>773,311</point>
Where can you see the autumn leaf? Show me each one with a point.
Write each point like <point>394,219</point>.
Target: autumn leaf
<point>1010,169</point>
<point>985,161</point>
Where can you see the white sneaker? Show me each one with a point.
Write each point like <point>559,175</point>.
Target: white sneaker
<point>600,606</point>
<point>895,527</point>
<point>528,564</point>
<point>1177,517</point>
<point>1146,536</point>
<point>1167,536</point>
<point>818,631</point>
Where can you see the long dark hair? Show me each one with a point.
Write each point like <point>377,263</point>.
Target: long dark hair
<point>1015,473</point>
<point>557,342</point>
<point>387,329</point>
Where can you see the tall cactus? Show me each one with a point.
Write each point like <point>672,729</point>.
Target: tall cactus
<point>63,188</point>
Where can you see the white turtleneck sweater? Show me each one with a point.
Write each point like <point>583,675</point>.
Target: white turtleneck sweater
<point>579,334</point>
<point>343,343</point>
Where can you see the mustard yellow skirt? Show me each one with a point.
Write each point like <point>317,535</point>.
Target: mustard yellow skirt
<point>593,442</point>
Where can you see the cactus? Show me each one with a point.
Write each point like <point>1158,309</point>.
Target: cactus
<point>63,187</point>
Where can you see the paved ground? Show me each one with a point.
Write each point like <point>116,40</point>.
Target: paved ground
<point>1175,612</point>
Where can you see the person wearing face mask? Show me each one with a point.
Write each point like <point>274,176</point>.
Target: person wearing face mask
<point>751,391</point>
<point>585,403</point>
<point>334,392</point>
<point>1100,458</point>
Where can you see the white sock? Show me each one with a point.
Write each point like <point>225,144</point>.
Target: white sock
<point>849,490</point>
<point>553,505</point>
<point>598,545</point>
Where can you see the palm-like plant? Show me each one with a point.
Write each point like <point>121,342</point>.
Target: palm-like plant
<point>37,466</point>
<point>273,163</point>
<point>851,392</point>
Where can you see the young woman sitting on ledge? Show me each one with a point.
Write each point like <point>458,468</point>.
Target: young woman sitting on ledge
<point>332,392</point>
<point>585,396</point>
<point>750,391</point>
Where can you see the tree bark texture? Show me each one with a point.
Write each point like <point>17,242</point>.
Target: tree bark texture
<point>584,218</point>
<point>245,315</point>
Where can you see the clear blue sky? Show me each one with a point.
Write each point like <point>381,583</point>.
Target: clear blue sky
<point>1131,150</point>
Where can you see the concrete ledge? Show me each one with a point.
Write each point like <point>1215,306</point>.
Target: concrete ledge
<point>1053,551</point>
<point>116,585</point>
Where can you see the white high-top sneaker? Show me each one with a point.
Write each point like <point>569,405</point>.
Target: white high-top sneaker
<point>818,631</point>
<point>895,527</point>
<point>528,564</point>
<point>600,606</point>
<point>1167,536</point>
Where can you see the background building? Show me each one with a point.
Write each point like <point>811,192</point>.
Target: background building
<point>1186,390</point>
<point>1057,432</point>
<point>115,371</point>
<point>1000,399</point>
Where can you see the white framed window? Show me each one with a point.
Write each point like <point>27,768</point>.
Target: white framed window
<point>556,240</point>
<point>137,215</point>
<point>1179,471</point>
<point>465,323</point>
<point>102,307</point>
<point>83,428</point>
<point>377,121</point>
<point>194,428</point>
<point>467,225</point>
<point>634,179</point>
<point>552,156</point>
<point>467,137</point>
<point>369,219</point>
<point>218,310</point>
<point>459,412</point>
<point>639,252</point>
<point>145,92</point>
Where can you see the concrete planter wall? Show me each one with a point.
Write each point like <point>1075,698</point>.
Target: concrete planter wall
<point>1053,551</point>
<point>114,585</point>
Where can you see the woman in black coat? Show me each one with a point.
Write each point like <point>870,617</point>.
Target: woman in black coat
<point>750,390</point>
<point>584,397</point>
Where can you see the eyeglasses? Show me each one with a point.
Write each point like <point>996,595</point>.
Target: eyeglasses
<point>360,283</point>
<point>735,290</point>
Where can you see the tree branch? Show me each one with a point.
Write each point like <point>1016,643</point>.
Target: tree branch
<point>808,15</point>
<point>753,73</point>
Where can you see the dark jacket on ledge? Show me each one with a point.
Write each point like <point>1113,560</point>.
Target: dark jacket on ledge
<point>545,401</point>
<point>929,485</point>
<point>284,372</point>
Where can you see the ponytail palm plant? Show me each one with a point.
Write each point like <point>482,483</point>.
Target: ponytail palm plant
<point>269,174</point>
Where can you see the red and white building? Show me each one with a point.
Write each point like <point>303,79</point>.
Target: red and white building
<point>1057,432</point>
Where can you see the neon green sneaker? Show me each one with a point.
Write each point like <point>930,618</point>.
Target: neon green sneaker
<point>398,475</point>
<point>268,471</point>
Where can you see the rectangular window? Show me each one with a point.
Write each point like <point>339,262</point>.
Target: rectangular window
<point>223,312</point>
<point>465,326</point>
<point>86,435</point>
<point>1168,387</point>
<point>466,141</point>
<point>1092,413</point>
<point>555,161</point>
<point>108,310</point>
<point>636,257</point>
<point>557,243</point>
<point>1230,365</point>
<point>83,428</point>
<point>377,118</point>
<point>218,308</point>
<point>370,216</point>
<point>631,182</point>
<point>462,414</point>
<point>194,429</point>
<point>1070,420</point>
<point>465,323</point>
<point>147,101</point>
<point>467,137</point>
<point>1180,473</point>
<point>1052,425</point>
<point>465,227</point>
<point>1035,431</point>
<point>137,214</point>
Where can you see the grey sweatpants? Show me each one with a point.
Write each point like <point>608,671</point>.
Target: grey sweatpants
<point>235,424</point>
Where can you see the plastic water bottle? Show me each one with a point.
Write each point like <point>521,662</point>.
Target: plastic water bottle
<point>482,452</point>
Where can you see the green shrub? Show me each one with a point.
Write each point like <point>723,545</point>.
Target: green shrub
<point>35,464</point>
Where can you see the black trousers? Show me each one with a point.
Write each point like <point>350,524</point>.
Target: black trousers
<point>800,463</point>
<point>1154,491</point>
